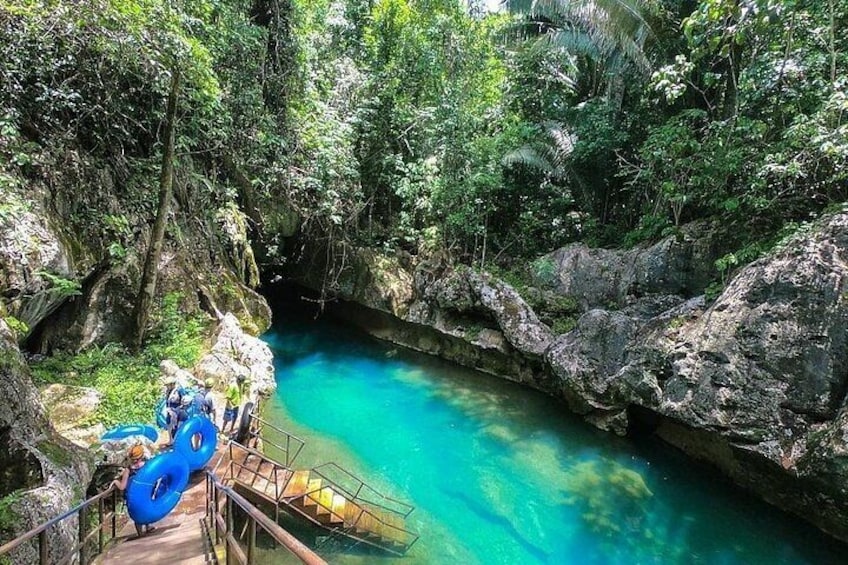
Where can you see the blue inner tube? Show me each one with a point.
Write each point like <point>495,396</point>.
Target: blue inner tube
<point>156,488</point>
<point>121,432</point>
<point>208,439</point>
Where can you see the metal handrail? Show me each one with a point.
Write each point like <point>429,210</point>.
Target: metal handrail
<point>289,439</point>
<point>406,508</point>
<point>223,525</point>
<point>85,535</point>
<point>409,534</point>
<point>288,472</point>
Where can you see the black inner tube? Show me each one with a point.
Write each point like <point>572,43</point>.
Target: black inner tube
<point>243,432</point>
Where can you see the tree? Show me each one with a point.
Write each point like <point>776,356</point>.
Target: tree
<point>147,290</point>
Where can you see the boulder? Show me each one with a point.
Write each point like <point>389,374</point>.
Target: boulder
<point>169,368</point>
<point>234,353</point>
<point>70,409</point>
<point>608,278</point>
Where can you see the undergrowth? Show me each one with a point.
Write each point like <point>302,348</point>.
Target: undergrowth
<point>129,384</point>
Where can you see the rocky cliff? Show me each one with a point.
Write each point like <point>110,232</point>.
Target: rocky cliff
<point>41,473</point>
<point>73,236</point>
<point>754,382</point>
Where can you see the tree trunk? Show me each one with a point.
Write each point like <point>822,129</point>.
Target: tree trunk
<point>154,250</point>
<point>246,192</point>
<point>832,44</point>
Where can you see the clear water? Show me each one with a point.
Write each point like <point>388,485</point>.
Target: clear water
<point>501,474</point>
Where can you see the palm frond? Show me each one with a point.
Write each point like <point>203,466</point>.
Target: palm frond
<point>563,142</point>
<point>612,26</point>
<point>527,156</point>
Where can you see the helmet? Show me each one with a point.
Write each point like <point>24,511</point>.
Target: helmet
<point>136,452</point>
<point>209,383</point>
<point>186,400</point>
<point>241,378</point>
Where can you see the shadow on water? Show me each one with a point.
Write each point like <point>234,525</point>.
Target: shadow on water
<point>505,524</point>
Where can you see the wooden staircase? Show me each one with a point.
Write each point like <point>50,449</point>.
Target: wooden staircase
<point>313,495</point>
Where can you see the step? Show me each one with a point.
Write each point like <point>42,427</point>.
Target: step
<point>338,507</point>
<point>312,488</point>
<point>273,490</point>
<point>324,499</point>
<point>298,485</point>
<point>351,512</point>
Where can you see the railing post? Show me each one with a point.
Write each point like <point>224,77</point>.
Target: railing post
<point>100,526</point>
<point>42,548</point>
<point>251,540</point>
<point>210,517</point>
<point>229,535</point>
<point>288,446</point>
<point>82,518</point>
<point>114,513</point>
<point>215,512</point>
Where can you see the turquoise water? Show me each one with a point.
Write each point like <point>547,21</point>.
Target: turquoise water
<point>501,474</point>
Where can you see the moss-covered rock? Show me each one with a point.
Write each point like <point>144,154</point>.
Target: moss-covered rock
<point>42,472</point>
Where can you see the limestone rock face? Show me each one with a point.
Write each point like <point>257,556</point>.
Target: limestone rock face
<point>679,265</point>
<point>43,473</point>
<point>31,251</point>
<point>586,359</point>
<point>237,353</point>
<point>755,382</point>
<point>765,368</point>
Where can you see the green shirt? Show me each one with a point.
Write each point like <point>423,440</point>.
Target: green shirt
<point>233,395</point>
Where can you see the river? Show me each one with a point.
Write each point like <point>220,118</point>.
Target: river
<point>502,474</point>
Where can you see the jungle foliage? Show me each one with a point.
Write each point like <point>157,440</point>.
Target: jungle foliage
<point>432,125</point>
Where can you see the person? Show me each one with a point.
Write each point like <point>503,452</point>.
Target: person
<point>233,395</point>
<point>203,400</point>
<point>182,412</point>
<point>136,458</point>
<point>173,402</point>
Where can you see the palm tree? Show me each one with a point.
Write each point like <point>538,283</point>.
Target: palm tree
<point>611,35</point>
<point>549,156</point>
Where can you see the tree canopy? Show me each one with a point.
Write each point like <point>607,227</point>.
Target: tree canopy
<point>432,125</point>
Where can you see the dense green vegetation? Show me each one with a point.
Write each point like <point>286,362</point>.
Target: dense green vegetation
<point>608,121</point>
<point>431,125</point>
<point>129,383</point>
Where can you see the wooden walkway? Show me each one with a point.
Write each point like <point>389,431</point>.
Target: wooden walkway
<point>181,538</point>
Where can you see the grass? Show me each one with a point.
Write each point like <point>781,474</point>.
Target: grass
<point>129,384</point>
<point>8,517</point>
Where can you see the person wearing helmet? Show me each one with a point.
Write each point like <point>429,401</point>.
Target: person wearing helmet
<point>235,390</point>
<point>136,458</point>
<point>203,400</point>
<point>174,395</point>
